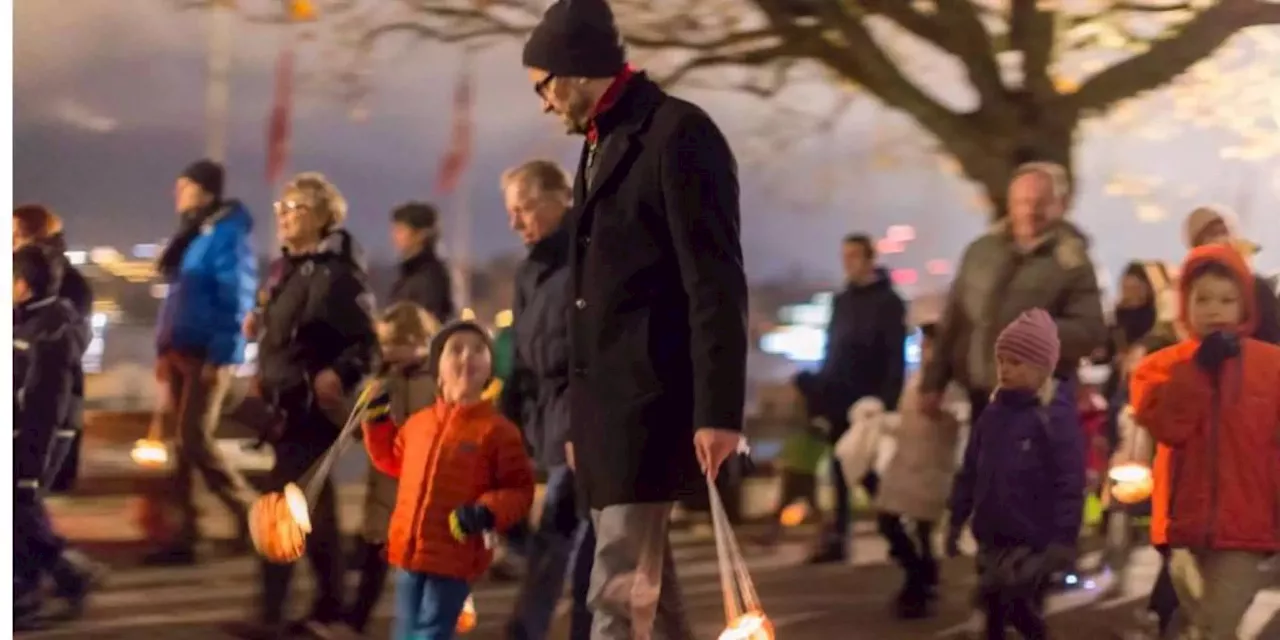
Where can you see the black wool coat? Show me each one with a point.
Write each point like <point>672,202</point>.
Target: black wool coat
<point>658,324</point>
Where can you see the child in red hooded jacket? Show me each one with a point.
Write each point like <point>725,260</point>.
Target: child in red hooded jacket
<point>1212,402</point>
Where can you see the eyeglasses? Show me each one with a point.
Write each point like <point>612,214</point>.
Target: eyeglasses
<point>289,206</point>
<point>540,87</point>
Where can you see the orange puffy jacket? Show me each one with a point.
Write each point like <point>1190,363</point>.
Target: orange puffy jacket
<point>1217,468</point>
<point>447,456</point>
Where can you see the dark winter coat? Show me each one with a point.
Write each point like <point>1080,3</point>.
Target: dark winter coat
<point>659,321</point>
<point>864,356</point>
<point>1268,329</point>
<point>536,397</point>
<point>1023,475</point>
<point>424,281</point>
<point>48,341</point>
<point>317,316</point>
<point>410,391</point>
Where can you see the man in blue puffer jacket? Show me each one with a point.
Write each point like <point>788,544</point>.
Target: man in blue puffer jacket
<point>211,271</point>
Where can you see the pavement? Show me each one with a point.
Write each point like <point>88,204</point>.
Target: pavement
<point>845,602</point>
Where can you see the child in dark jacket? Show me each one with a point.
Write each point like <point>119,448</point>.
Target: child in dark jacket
<point>49,339</point>
<point>1022,479</point>
<point>404,333</point>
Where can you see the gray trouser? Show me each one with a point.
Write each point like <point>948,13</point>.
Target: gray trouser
<point>1216,588</point>
<point>634,593</point>
<point>195,412</point>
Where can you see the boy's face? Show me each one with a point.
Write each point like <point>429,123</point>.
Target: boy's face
<point>1016,374</point>
<point>465,363</point>
<point>1214,304</point>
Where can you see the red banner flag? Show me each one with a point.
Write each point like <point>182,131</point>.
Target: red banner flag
<point>278,127</point>
<point>455,161</point>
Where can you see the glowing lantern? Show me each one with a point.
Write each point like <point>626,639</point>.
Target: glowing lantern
<point>150,453</point>
<point>794,514</point>
<point>302,10</point>
<point>1131,483</point>
<point>467,620</point>
<point>753,625</point>
<point>279,524</point>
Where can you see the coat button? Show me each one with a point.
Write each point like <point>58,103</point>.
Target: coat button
<point>581,372</point>
<point>584,241</point>
<point>580,304</point>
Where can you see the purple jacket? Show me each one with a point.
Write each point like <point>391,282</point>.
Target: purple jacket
<point>1023,477</point>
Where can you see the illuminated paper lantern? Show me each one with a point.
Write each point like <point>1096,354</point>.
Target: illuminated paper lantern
<point>279,524</point>
<point>753,625</point>
<point>302,10</point>
<point>794,514</point>
<point>1131,483</point>
<point>467,620</point>
<point>150,453</point>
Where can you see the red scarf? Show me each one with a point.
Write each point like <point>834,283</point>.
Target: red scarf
<point>609,99</point>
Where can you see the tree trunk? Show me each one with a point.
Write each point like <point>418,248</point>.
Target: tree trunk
<point>1003,145</point>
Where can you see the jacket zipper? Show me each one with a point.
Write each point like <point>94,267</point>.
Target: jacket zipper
<point>1215,419</point>
<point>433,459</point>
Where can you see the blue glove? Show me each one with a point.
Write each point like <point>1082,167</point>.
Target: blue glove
<point>469,520</point>
<point>1216,349</point>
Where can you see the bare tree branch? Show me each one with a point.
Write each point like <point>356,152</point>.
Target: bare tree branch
<point>1169,58</point>
<point>1031,31</point>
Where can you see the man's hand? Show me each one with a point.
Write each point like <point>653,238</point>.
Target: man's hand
<point>568,456</point>
<point>713,446</point>
<point>328,388</point>
<point>469,520</point>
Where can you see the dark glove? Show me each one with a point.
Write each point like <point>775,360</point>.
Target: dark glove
<point>379,407</point>
<point>953,541</point>
<point>1215,349</point>
<point>470,520</point>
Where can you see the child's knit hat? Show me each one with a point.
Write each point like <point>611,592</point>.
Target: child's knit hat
<point>1032,338</point>
<point>438,341</point>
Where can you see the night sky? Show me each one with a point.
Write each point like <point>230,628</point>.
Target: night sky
<point>109,107</point>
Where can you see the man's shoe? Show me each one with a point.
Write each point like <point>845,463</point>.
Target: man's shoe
<point>175,556</point>
<point>75,577</point>
<point>28,611</point>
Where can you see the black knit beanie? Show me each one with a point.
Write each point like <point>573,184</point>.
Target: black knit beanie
<point>576,39</point>
<point>436,350</point>
<point>208,174</point>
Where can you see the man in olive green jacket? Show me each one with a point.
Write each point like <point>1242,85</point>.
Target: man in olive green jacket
<point>1033,258</point>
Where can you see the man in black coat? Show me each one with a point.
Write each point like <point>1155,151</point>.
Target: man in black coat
<point>536,397</point>
<point>424,278</point>
<point>48,341</point>
<point>864,358</point>
<point>658,325</point>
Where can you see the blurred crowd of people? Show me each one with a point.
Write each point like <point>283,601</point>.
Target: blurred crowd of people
<point>625,383</point>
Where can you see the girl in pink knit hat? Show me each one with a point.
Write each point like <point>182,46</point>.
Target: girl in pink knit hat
<point>1023,479</point>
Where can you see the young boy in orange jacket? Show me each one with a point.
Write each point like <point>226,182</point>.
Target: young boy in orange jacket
<point>1212,402</point>
<point>463,474</point>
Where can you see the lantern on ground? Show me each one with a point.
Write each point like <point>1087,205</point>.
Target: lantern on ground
<point>150,453</point>
<point>1131,483</point>
<point>753,625</point>
<point>467,619</point>
<point>279,524</point>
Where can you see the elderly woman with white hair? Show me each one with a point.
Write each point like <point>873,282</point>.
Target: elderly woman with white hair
<point>1216,224</point>
<point>316,343</point>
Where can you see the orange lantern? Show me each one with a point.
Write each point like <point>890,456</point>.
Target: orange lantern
<point>279,524</point>
<point>1131,483</point>
<point>794,514</point>
<point>752,625</point>
<point>467,619</point>
<point>150,453</point>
